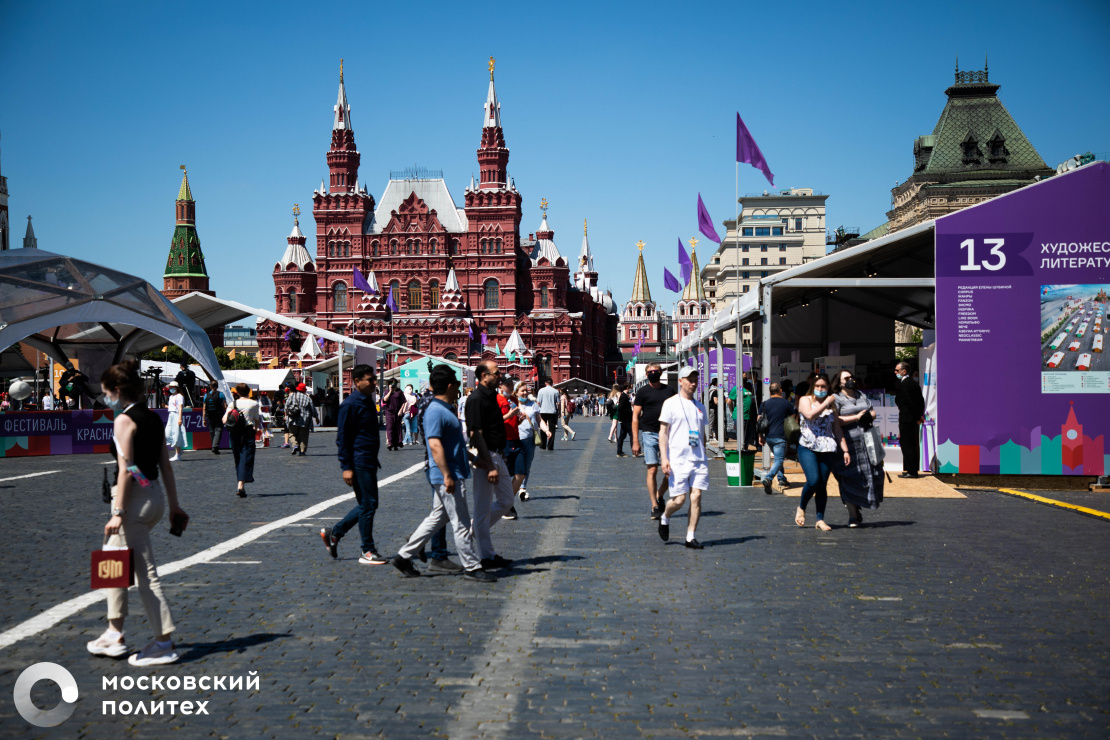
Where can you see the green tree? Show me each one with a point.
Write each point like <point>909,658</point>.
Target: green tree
<point>223,358</point>
<point>910,353</point>
<point>244,362</point>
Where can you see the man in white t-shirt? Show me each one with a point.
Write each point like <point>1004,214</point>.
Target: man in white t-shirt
<point>682,448</point>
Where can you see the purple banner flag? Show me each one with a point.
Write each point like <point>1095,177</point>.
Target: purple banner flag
<point>485,339</point>
<point>361,284</point>
<point>391,302</point>
<point>748,151</point>
<point>670,282</point>
<point>288,333</point>
<point>705,223</point>
<point>320,343</point>
<point>684,262</point>
<point>470,330</point>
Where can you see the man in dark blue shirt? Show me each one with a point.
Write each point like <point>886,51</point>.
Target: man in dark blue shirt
<point>358,441</point>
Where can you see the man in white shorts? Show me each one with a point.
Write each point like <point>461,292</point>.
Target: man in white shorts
<point>682,448</point>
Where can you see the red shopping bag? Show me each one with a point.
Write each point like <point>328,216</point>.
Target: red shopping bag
<point>112,567</point>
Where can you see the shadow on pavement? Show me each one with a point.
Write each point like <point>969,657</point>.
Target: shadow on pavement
<point>197,650</point>
<point>732,541</point>
<point>539,560</point>
<point>537,498</point>
<point>550,516</point>
<point>878,525</point>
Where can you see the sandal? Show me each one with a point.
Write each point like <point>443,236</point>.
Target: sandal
<point>822,526</point>
<point>800,518</point>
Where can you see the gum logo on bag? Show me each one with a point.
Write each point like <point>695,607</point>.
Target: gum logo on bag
<point>48,672</point>
<point>108,569</point>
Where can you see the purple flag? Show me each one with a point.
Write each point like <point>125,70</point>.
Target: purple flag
<point>748,151</point>
<point>705,223</point>
<point>670,282</point>
<point>485,339</point>
<point>320,343</point>
<point>470,330</point>
<point>391,302</point>
<point>288,333</point>
<point>361,284</point>
<point>684,262</point>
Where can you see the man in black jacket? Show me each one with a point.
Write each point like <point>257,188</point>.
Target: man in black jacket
<point>624,419</point>
<point>911,408</point>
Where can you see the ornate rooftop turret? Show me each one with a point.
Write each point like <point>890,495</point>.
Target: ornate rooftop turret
<point>29,241</point>
<point>694,290</point>
<point>296,253</point>
<point>493,155</point>
<point>641,293</point>
<point>451,299</point>
<point>185,268</point>
<point>343,158</point>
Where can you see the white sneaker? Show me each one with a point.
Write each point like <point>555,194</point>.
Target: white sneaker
<point>104,645</point>
<point>523,493</point>
<point>175,458</point>
<point>152,654</point>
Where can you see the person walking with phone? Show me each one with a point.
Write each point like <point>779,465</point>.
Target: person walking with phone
<point>138,503</point>
<point>242,418</point>
<point>818,448</point>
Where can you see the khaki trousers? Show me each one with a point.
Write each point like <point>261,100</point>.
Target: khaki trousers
<point>144,509</point>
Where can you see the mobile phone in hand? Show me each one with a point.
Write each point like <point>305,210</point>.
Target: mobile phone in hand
<point>137,474</point>
<point>178,522</point>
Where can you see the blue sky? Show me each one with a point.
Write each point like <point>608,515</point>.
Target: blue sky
<point>616,112</point>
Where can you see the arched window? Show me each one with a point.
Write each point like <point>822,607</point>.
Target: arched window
<point>415,294</point>
<point>416,342</point>
<point>432,244</point>
<point>395,288</point>
<point>454,246</point>
<point>705,310</point>
<point>482,246</point>
<point>181,259</point>
<point>682,310</point>
<point>639,310</point>
<point>393,246</point>
<point>292,301</point>
<point>493,294</point>
<point>416,247</point>
<point>499,246</point>
<point>543,296</point>
<point>433,294</point>
<point>346,249</point>
<point>375,246</point>
<point>339,291</point>
<point>451,356</point>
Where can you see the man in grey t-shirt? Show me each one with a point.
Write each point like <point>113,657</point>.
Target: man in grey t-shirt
<point>548,401</point>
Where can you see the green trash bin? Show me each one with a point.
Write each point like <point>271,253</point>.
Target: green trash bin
<point>740,468</point>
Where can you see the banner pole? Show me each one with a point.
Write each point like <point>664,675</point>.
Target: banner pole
<point>739,345</point>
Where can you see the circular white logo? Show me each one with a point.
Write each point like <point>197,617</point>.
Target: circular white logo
<point>50,672</point>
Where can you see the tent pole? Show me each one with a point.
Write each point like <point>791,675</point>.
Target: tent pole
<point>720,431</point>
<point>766,355</point>
<point>341,372</point>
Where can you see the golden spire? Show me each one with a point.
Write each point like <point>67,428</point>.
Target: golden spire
<point>640,246</point>
<point>492,62</point>
<point>340,71</point>
<point>585,224</point>
<point>693,244</point>
<point>296,210</point>
<point>543,201</point>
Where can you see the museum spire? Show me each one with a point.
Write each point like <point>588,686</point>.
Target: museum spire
<point>493,155</point>
<point>343,158</point>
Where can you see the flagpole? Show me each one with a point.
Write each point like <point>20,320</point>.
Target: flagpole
<point>739,344</point>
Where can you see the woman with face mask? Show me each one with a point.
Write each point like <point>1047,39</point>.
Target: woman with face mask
<point>138,504</point>
<point>821,448</point>
<point>861,482</point>
<point>175,430</point>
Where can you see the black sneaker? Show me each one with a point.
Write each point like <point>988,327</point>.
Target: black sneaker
<point>443,566</point>
<point>664,531</point>
<point>510,514</point>
<point>330,543</point>
<point>496,562</point>
<point>480,575</point>
<point>408,570</point>
<point>767,485</point>
<point>241,492</point>
<point>294,453</point>
<point>621,454</point>
<point>694,545</point>
<point>422,556</point>
<point>656,512</point>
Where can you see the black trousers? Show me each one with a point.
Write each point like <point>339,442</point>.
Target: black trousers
<point>216,426</point>
<point>625,431</point>
<point>547,441</point>
<point>911,452</point>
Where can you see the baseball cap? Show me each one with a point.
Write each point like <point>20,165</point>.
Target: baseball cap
<point>687,371</point>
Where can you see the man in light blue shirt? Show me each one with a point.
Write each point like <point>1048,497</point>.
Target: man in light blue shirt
<point>548,401</point>
<point>447,469</point>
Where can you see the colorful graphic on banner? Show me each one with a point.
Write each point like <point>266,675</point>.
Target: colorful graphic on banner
<point>25,434</point>
<point>705,376</point>
<point>1022,283</point>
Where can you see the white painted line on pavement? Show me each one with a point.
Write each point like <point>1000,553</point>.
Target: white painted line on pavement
<point>233,562</point>
<point>55,614</point>
<point>29,475</point>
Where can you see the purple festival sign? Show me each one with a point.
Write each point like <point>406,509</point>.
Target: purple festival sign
<point>1022,294</point>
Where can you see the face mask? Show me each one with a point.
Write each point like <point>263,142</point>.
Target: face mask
<point>820,394</point>
<point>655,375</point>
<point>850,384</point>
<point>113,403</point>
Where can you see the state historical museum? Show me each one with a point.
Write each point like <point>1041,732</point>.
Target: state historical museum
<point>459,280</point>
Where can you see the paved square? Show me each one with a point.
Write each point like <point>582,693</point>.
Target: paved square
<point>982,616</point>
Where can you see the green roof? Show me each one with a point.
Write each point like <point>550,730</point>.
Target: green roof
<point>184,193</point>
<point>975,116</point>
<point>185,257</point>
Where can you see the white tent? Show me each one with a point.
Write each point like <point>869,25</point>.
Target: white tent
<point>69,308</point>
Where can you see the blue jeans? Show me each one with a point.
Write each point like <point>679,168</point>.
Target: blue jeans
<point>778,447</point>
<point>817,466</point>
<point>366,494</point>
<point>437,548</point>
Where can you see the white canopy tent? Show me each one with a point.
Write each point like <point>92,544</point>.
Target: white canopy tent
<point>72,309</point>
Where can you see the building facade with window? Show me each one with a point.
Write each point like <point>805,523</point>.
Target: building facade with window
<point>975,152</point>
<point>446,275</point>
<point>642,322</point>
<point>777,231</point>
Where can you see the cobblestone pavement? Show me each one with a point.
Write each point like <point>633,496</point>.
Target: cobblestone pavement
<point>976,617</point>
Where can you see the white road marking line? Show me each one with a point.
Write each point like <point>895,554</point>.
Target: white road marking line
<point>55,614</point>
<point>234,562</point>
<point>29,475</point>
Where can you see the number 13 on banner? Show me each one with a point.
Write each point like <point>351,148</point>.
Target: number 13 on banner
<point>996,251</point>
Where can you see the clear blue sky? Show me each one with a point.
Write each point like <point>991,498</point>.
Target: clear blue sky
<point>616,112</point>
